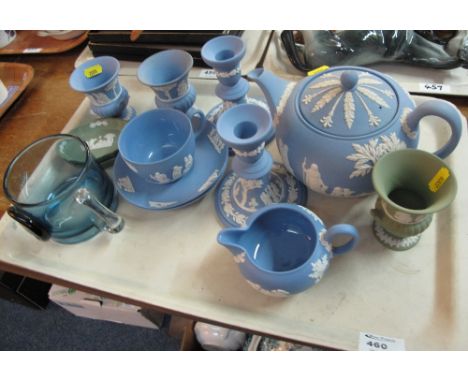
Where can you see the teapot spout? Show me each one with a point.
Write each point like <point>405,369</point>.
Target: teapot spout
<point>275,89</point>
<point>231,239</point>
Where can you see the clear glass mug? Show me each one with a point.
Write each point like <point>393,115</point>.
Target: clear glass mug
<point>59,191</point>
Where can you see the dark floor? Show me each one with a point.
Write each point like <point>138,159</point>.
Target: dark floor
<point>25,328</point>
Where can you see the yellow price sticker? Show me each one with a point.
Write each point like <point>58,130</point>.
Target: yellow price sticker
<point>439,179</point>
<point>318,70</point>
<point>93,71</point>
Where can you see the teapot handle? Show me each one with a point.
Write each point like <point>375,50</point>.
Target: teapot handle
<point>342,229</point>
<point>444,110</point>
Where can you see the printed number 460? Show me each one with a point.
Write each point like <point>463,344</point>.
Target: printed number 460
<point>377,345</point>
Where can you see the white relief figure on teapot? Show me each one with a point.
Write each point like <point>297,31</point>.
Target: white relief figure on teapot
<point>333,126</point>
<point>312,178</point>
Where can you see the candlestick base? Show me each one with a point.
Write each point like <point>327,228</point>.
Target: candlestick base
<point>237,198</point>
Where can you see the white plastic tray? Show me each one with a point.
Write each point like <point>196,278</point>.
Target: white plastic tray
<point>424,81</point>
<point>172,260</point>
<point>256,42</point>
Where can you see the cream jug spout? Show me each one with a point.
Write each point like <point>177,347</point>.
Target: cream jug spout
<point>231,239</point>
<point>272,86</point>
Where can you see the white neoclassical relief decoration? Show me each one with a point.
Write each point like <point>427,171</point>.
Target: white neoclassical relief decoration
<point>318,268</point>
<point>367,154</point>
<point>125,184</point>
<point>329,90</point>
<point>272,293</point>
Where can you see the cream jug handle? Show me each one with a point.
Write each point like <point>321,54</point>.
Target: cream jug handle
<point>444,110</point>
<point>345,230</point>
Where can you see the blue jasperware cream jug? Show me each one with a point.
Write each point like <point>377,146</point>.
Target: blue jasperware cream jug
<point>332,127</point>
<point>285,248</point>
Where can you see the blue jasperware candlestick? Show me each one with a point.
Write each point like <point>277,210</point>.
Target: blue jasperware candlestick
<point>255,180</point>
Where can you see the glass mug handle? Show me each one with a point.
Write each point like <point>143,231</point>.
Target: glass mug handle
<point>112,222</point>
<point>196,114</point>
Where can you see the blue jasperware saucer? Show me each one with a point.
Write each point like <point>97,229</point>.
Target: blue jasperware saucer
<point>210,162</point>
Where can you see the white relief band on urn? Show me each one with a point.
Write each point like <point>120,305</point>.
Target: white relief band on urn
<point>102,98</point>
<point>400,216</point>
<point>232,73</point>
<point>166,90</point>
<point>394,242</point>
<point>252,153</point>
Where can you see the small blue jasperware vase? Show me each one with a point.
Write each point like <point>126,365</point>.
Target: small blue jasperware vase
<point>99,80</point>
<point>285,248</point>
<point>166,73</point>
<point>158,145</point>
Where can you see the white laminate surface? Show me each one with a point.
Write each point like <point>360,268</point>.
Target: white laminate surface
<point>172,260</point>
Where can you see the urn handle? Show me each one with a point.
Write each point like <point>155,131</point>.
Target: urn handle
<point>196,115</point>
<point>345,230</point>
<point>444,110</point>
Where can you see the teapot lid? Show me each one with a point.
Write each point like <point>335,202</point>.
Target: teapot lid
<point>348,101</point>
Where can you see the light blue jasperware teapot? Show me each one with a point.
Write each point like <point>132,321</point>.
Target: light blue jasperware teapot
<point>332,127</point>
<point>285,248</point>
